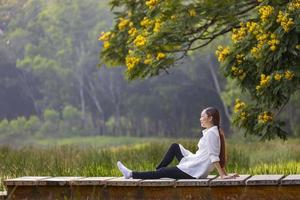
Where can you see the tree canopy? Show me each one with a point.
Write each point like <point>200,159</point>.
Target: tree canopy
<point>150,36</point>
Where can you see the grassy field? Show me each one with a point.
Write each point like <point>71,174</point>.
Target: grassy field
<point>97,156</point>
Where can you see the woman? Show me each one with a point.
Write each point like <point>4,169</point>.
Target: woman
<point>210,155</point>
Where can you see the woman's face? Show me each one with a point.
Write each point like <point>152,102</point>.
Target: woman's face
<point>205,121</point>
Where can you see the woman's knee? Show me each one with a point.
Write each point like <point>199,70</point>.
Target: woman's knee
<point>174,145</point>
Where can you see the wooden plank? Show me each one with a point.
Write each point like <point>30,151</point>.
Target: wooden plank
<point>293,179</point>
<point>230,182</point>
<point>121,181</point>
<point>158,182</point>
<point>92,181</point>
<point>272,179</point>
<point>60,180</point>
<point>25,180</point>
<point>195,182</point>
<point>3,194</point>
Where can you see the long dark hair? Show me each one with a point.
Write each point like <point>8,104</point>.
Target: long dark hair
<point>214,113</point>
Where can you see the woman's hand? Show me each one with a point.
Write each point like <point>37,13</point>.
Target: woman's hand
<point>230,176</point>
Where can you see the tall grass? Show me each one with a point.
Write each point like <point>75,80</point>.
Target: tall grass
<point>275,157</point>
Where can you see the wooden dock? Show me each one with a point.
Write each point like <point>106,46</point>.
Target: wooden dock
<point>245,187</point>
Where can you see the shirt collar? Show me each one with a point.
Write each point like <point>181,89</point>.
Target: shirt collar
<point>211,128</point>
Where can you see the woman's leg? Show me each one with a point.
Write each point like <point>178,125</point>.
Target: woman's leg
<point>168,172</point>
<point>173,151</point>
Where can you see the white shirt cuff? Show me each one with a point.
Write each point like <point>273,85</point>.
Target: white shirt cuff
<point>214,158</point>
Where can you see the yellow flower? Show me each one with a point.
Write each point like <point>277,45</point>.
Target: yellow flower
<point>238,34</point>
<point>123,23</point>
<point>278,76</point>
<point>243,115</point>
<point>148,59</point>
<point>265,117</point>
<point>192,12</point>
<point>289,75</point>
<point>239,105</point>
<point>131,62</point>
<point>294,5</point>
<point>157,26</point>
<point>285,21</point>
<point>140,41</point>
<point>265,12</point>
<point>240,58</point>
<point>106,45</point>
<point>160,56</point>
<point>146,22</point>
<point>105,36</point>
<point>264,80</point>
<point>273,48</point>
<point>255,52</point>
<point>151,3</point>
<point>222,53</point>
<point>132,32</point>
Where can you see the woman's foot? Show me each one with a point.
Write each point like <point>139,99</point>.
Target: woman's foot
<point>127,173</point>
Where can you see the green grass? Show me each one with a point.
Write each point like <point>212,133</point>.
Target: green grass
<point>97,156</point>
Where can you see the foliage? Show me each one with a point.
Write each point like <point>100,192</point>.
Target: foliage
<point>264,61</point>
<point>150,36</point>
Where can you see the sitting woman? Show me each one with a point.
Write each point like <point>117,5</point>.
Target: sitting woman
<point>210,155</point>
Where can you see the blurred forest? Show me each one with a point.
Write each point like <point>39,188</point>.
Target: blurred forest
<point>52,86</point>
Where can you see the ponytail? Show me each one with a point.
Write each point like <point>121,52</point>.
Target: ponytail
<point>222,155</point>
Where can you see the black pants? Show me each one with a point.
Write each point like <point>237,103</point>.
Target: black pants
<point>162,171</point>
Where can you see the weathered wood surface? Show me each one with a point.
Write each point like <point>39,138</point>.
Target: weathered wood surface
<point>245,187</point>
<point>264,180</point>
<point>3,195</point>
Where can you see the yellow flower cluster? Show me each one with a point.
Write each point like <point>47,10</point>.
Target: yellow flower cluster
<point>278,76</point>
<point>192,12</point>
<point>264,81</point>
<point>238,34</point>
<point>253,27</point>
<point>106,44</point>
<point>285,21</point>
<point>265,117</point>
<point>240,58</point>
<point>238,72</point>
<point>222,53</point>
<point>269,38</point>
<point>151,3</point>
<point>132,32</point>
<point>146,22</point>
<point>140,41</point>
<point>243,115</point>
<point>131,62</point>
<point>289,75</point>
<point>157,26</point>
<point>123,23</point>
<point>160,56</point>
<point>273,42</point>
<point>294,5</point>
<point>239,105</point>
<point>105,37</point>
<point>265,12</point>
<point>173,17</point>
<point>148,59</point>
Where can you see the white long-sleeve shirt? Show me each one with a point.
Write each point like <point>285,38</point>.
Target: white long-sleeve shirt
<point>200,164</point>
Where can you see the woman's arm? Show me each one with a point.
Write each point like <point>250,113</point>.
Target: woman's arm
<point>222,171</point>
